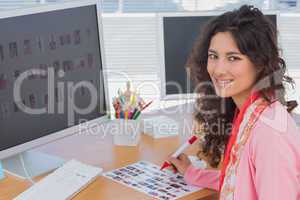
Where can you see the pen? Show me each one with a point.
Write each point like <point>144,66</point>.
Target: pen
<point>146,105</point>
<point>180,150</point>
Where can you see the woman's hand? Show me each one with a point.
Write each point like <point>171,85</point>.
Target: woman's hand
<point>182,162</point>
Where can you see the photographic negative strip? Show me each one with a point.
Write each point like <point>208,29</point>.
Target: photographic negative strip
<point>3,81</point>
<point>27,47</point>
<point>90,60</point>
<point>148,178</point>
<point>13,49</point>
<point>76,36</point>
<point>65,39</point>
<point>40,43</point>
<point>52,43</point>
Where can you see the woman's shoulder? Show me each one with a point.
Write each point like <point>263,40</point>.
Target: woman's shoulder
<point>275,129</point>
<point>276,119</point>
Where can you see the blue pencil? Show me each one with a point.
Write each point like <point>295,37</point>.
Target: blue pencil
<point>121,115</point>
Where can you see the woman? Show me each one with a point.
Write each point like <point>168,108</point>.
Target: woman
<point>247,128</point>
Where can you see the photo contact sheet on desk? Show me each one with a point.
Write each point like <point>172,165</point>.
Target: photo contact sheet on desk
<point>148,178</point>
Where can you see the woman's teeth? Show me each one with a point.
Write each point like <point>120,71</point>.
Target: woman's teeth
<point>224,83</point>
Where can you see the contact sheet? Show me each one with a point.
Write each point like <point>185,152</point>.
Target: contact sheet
<point>148,178</point>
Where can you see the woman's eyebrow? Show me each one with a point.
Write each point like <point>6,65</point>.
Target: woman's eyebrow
<point>212,51</point>
<point>227,53</point>
<point>233,53</point>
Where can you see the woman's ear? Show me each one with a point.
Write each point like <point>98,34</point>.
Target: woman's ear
<point>259,69</point>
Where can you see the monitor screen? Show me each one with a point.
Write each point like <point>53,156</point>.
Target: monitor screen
<point>50,73</point>
<point>179,34</point>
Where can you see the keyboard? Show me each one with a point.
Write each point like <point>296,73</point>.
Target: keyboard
<point>64,183</point>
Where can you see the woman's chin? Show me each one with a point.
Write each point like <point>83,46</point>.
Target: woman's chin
<point>223,93</point>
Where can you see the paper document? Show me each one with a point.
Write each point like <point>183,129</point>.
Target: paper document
<point>147,178</point>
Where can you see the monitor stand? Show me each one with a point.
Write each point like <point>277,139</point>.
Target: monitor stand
<point>35,163</point>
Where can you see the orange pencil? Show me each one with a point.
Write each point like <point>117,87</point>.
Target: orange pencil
<point>126,114</point>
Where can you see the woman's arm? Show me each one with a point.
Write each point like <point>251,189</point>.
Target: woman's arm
<point>193,176</point>
<point>204,178</point>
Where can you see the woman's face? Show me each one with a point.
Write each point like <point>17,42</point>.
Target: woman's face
<point>232,73</point>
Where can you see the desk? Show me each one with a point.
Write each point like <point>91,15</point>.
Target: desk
<point>100,151</point>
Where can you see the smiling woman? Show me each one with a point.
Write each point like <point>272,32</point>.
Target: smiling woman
<point>240,75</point>
<point>231,72</point>
<point>237,49</point>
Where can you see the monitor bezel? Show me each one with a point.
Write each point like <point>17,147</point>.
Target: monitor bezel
<point>76,129</point>
<point>161,47</point>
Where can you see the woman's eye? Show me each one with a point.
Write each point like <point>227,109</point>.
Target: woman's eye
<point>233,58</point>
<point>212,56</point>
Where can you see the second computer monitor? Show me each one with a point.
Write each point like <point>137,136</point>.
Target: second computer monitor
<point>178,33</point>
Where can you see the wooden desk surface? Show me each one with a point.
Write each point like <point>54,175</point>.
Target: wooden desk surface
<point>100,151</point>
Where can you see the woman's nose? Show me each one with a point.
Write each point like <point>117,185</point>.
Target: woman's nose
<point>220,67</point>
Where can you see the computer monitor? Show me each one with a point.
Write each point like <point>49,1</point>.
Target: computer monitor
<point>51,75</point>
<point>177,34</point>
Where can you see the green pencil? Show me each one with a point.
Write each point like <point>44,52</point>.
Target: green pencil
<point>136,115</point>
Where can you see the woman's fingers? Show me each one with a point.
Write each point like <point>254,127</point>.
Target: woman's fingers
<point>181,163</point>
<point>180,160</point>
<point>174,161</point>
<point>184,158</point>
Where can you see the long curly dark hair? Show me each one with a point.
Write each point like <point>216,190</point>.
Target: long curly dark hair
<point>256,37</point>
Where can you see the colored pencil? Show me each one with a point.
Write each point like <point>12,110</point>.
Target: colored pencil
<point>137,114</point>
<point>148,104</point>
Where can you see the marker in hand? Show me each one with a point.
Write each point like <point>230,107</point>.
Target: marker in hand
<point>180,150</point>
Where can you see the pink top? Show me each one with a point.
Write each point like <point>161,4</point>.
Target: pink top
<point>269,168</point>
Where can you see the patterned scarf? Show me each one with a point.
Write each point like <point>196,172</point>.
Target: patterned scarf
<point>243,123</point>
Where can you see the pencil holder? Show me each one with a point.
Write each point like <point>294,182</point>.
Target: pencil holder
<point>126,132</point>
